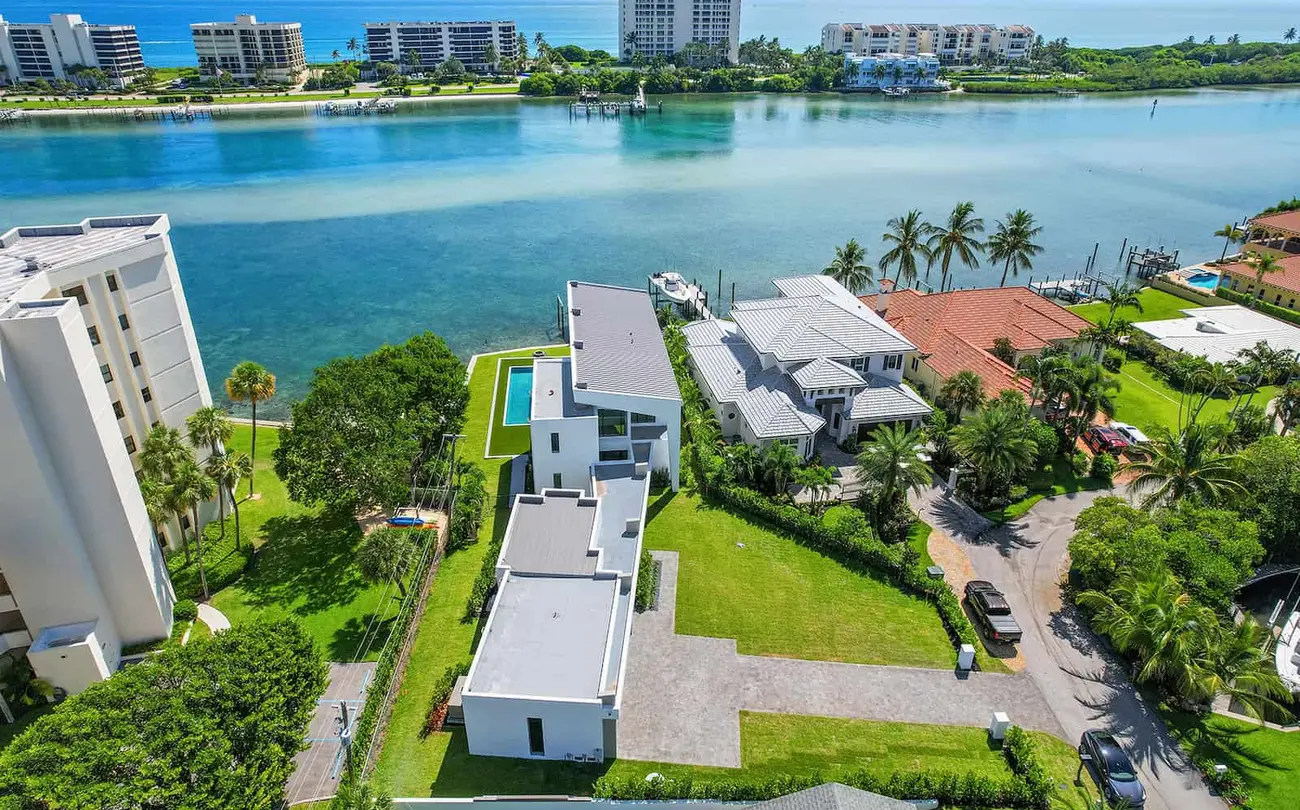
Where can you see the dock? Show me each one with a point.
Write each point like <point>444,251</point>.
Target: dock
<point>375,106</point>
<point>690,299</point>
<point>590,103</point>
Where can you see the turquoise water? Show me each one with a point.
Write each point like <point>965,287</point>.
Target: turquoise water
<point>519,395</point>
<point>163,25</point>
<point>301,238</point>
<point>1206,281</point>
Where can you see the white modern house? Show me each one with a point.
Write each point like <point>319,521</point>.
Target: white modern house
<point>813,359</point>
<point>54,50</point>
<point>239,49</point>
<point>436,42</point>
<point>663,29</point>
<point>96,346</point>
<point>546,681</point>
<point>915,72</point>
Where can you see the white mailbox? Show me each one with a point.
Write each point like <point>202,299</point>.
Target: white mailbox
<point>998,725</point>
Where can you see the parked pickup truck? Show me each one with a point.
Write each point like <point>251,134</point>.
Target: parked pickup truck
<point>992,610</point>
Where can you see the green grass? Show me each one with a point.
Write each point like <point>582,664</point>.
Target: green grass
<point>1057,478</point>
<point>200,631</point>
<point>1157,305</point>
<point>918,537</point>
<point>1268,760</point>
<point>1146,400</point>
<point>776,597</point>
<point>507,440</point>
<point>409,762</point>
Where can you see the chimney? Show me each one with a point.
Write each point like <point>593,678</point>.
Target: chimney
<point>882,301</point>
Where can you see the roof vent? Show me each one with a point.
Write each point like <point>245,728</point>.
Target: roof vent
<point>577,344</point>
<point>33,264</point>
<point>576,311</point>
<point>582,385</point>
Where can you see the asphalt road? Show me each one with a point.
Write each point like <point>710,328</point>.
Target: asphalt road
<point>1085,685</point>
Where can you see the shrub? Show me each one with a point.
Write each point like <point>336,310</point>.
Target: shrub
<point>185,610</point>
<point>1112,360</point>
<point>223,563</point>
<point>1079,462</point>
<point>468,510</point>
<point>647,582</point>
<point>441,694</point>
<point>1103,467</point>
<point>1263,306</point>
<point>1046,439</point>
<point>660,479</point>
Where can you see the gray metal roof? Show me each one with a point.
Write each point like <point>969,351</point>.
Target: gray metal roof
<point>825,373</point>
<point>885,401</point>
<point>55,246</point>
<point>547,637</point>
<point>616,344</point>
<point>833,796</point>
<point>551,533</point>
<point>553,390</point>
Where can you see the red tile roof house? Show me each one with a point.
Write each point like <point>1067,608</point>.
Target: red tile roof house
<point>1281,288</point>
<point>955,331</point>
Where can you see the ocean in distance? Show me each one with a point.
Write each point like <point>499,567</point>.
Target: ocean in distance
<point>301,238</point>
<point>327,24</point>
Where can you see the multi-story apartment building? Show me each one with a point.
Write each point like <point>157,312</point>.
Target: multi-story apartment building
<point>240,48</point>
<point>952,44</point>
<point>54,50</point>
<point>663,27</point>
<point>436,42</point>
<point>96,347</point>
<point>878,71</point>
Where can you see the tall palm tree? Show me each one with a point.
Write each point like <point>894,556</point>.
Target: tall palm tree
<point>1186,465</point>
<point>907,234</point>
<point>162,452</point>
<point>1288,406</point>
<point>1122,295</point>
<point>957,236</point>
<point>1289,35</point>
<point>1093,390</point>
<point>354,794</point>
<point>880,72</point>
<point>154,492</point>
<point>779,463</point>
<point>1235,39</point>
<point>849,267</point>
<point>491,57</point>
<point>996,442</point>
<point>1013,244</point>
<point>250,382</point>
<point>191,487</point>
<point>898,74</point>
<point>209,427</point>
<point>335,54</point>
<point>963,391</point>
<point>1235,661</point>
<point>1231,234</point>
<point>895,460</point>
<point>353,46</point>
<point>226,469</point>
<point>1262,265</point>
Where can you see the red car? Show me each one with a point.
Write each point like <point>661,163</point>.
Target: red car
<point>1105,440</point>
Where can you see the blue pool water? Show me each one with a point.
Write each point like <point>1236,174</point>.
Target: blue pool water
<point>519,395</point>
<point>1206,281</point>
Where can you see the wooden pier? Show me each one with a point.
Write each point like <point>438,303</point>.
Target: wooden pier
<point>374,106</point>
<point>693,303</point>
<point>590,103</point>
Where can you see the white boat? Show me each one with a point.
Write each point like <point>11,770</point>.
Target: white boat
<point>896,92</point>
<point>1287,654</point>
<point>673,286</point>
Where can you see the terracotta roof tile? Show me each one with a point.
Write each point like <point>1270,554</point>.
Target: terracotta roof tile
<point>1287,221</point>
<point>1288,278</point>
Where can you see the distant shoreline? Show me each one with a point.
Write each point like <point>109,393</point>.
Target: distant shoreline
<point>253,106</point>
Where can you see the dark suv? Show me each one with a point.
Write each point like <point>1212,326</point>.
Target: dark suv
<point>1104,440</point>
<point>1112,770</point>
<point>992,611</point>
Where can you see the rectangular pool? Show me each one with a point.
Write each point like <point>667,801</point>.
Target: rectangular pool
<point>1206,281</point>
<point>519,395</point>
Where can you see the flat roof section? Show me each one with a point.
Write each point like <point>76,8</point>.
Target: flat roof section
<point>547,638</point>
<point>551,533</point>
<point>622,499</point>
<point>50,247</point>
<point>553,391</point>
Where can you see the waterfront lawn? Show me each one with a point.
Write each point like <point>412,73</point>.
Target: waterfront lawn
<point>409,760</point>
<point>1146,400</point>
<point>1157,305</point>
<point>506,440</point>
<point>739,579</point>
<point>1268,760</point>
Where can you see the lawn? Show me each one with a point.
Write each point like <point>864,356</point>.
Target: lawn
<point>409,761</point>
<point>738,579</point>
<point>1268,760</point>
<point>1057,478</point>
<point>1157,305</point>
<point>1146,400</point>
<point>918,537</point>
<point>506,440</point>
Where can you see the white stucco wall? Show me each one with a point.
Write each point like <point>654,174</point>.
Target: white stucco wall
<point>497,726</point>
<point>579,448</point>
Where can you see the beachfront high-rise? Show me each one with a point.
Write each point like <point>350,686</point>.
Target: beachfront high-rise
<point>952,44</point>
<point>654,29</point>
<point>56,49</point>
<point>436,42</point>
<point>241,48</point>
<point>96,347</point>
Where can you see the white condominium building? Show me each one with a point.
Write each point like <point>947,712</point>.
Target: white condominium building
<point>663,27</point>
<point>53,50</point>
<point>436,42</point>
<point>952,44</point>
<point>96,346</point>
<point>238,49</point>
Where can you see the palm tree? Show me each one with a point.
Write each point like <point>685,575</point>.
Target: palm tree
<point>335,55</point>
<point>1013,244</point>
<point>354,794</point>
<point>957,236</point>
<point>1288,406</point>
<point>1290,35</point>
<point>1231,234</point>
<point>412,59</point>
<point>963,391</point>
<point>895,460</point>
<point>250,382</point>
<point>191,487</point>
<point>1093,387</point>
<point>1262,265</point>
<point>907,234</point>
<point>630,39</point>
<point>779,464</point>
<point>815,478</point>
<point>154,493</point>
<point>1122,295</point>
<point>745,463</point>
<point>226,470</point>
<point>209,427</point>
<point>898,74</point>
<point>849,268</point>
<point>1235,39</point>
<point>353,46</point>
<point>539,39</point>
<point>491,57</point>
<point>995,441</point>
<point>1185,466</point>
<point>163,451</point>
<point>879,72</point>
<point>1234,661</point>
<point>1148,614</point>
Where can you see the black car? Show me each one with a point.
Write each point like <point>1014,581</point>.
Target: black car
<point>1112,769</point>
<point>992,611</point>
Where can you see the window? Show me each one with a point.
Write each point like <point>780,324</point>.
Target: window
<point>642,418</point>
<point>130,444</point>
<point>555,442</point>
<point>557,481</point>
<point>78,293</point>
<point>93,332</point>
<point>613,455</point>
<point>118,411</point>
<point>112,282</point>
<point>793,443</point>
<point>148,396</point>
<point>860,364</point>
<point>893,361</point>
<point>536,740</point>
<point>123,322</point>
<point>915,363</point>
<point>611,423</point>
<point>106,373</point>
<point>135,359</point>
<point>185,521</point>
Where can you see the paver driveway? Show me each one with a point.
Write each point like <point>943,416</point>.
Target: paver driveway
<point>684,694</point>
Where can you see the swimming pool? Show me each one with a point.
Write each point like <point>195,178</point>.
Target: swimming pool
<point>1206,281</point>
<point>519,395</point>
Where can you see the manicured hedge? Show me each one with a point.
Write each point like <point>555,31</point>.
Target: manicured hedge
<point>1262,306</point>
<point>647,582</point>
<point>223,563</point>
<point>441,694</point>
